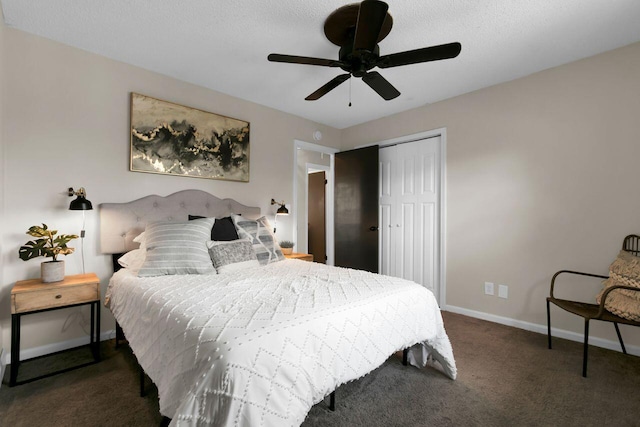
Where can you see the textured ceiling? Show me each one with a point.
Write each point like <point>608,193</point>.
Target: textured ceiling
<point>223,44</point>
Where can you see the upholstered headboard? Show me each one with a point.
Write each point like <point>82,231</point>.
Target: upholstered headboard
<point>120,223</point>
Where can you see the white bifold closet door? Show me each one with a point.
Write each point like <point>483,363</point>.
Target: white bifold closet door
<point>409,212</point>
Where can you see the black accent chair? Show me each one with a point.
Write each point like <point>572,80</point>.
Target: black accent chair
<point>589,311</point>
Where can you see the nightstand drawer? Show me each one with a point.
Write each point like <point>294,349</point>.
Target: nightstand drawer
<point>48,298</point>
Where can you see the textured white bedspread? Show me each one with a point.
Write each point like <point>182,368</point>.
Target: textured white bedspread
<point>261,346</point>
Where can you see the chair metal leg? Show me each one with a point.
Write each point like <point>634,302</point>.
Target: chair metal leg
<point>586,347</point>
<point>165,421</point>
<point>332,400</point>
<point>549,324</point>
<point>624,350</point>
<point>405,356</point>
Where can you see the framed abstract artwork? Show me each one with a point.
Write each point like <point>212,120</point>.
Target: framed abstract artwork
<point>173,139</point>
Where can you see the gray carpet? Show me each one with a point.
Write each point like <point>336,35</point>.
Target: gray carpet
<point>506,377</point>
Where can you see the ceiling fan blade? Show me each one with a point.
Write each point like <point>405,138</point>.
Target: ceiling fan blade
<point>306,60</point>
<point>337,81</point>
<point>378,83</point>
<point>426,54</point>
<point>370,19</point>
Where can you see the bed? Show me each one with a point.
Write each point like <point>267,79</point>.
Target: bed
<point>259,346</point>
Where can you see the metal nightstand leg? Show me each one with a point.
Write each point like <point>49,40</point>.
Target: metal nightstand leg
<point>96,355</point>
<point>95,330</point>
<point>15,348</point>
<point>94,344</point>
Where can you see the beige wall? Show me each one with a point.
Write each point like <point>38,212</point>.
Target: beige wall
<point>68,125</point>
<point>542,175</point>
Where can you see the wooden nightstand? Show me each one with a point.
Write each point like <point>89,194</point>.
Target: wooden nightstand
<point>301,257</point>
<point>34,296</point>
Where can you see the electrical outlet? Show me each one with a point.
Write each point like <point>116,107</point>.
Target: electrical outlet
<point>488,288</point>
<point>503,291</point>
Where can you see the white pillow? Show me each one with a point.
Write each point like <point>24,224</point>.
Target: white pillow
<point>133,260</point>
<point>232,255</point>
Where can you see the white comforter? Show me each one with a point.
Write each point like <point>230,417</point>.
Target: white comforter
<point>261,346</point>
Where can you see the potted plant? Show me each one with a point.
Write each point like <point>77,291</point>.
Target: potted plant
<point>287,247</point>
<point>47,245</point>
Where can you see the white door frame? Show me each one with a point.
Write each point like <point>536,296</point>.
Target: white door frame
<point>297,204</point>
<point>442,133</point>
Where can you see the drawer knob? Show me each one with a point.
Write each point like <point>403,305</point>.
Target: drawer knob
<point>58,296</point>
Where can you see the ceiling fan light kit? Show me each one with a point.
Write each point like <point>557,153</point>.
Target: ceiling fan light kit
<point>357,29</point>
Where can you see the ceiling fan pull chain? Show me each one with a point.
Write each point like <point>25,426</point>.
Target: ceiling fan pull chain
<point>349,91</point>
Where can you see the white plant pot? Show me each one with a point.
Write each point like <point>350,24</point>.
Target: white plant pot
<point>52,271</point>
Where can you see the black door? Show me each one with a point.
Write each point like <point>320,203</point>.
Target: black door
<point>356,209</point>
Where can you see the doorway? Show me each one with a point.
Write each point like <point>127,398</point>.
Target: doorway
<point>316,214</point>
<point>312,157</point>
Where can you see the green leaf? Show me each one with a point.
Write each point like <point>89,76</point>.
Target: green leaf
<point>63,239</point>
<point>47,245</point>
<point>37,231</point>
<point>32,249</point>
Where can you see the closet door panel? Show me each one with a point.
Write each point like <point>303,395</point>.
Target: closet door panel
<point>386,251</point>
<point>427,250</point>
<point>406,230</point>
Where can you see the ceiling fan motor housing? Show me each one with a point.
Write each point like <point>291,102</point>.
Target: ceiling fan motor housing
<point>357,29</point>
<point>358,62</point>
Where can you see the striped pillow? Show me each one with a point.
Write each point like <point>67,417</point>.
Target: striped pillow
<point>258,232</point>
<point>177,248</point>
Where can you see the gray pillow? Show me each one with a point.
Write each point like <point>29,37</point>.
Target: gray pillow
<point>234,255</point>
<point>259,233</point>
<point>177,248</point>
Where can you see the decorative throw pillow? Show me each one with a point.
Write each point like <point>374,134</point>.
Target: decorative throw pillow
<point>228,256</point>
<point>177,248</point>
<point>625,270</point>
<point>259,233</point>
<point>133,260</point>
<point>223,229</point>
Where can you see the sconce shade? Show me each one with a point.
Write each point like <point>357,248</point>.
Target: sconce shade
<point>80,204</point>
<point>282,210</point>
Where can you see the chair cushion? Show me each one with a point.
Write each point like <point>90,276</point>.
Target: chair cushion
<point>625,270</point>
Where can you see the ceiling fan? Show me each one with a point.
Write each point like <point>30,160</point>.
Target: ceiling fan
<point>357,29</point>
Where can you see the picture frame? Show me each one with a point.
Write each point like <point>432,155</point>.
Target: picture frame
<point>173,139</point>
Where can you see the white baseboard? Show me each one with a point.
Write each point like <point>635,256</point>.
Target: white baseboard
<point>30,353</point>
<point>542,329</point>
